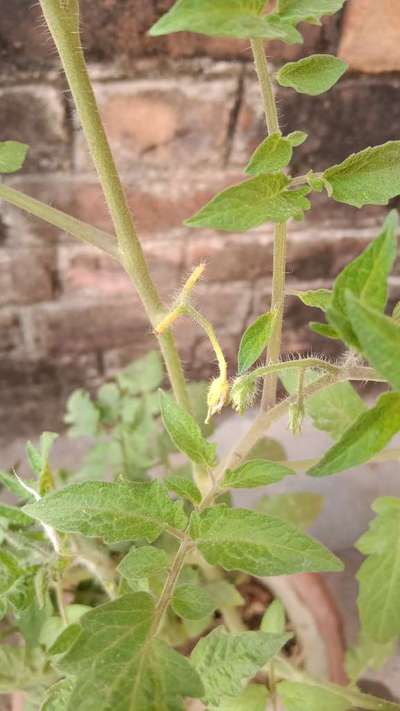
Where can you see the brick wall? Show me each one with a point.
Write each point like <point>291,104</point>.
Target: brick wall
<point>182,114</point>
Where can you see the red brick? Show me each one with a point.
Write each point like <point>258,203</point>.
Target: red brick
<point>35,115</point>
<point>370,36</point>
<point>232,257</point>
<point>24,42</point>
<point>65,329</point>
<point>11,342</point>
<point>86,271</point>
<point>225,305</point>
<point>34,393</point>
<point>164,122</point>
<point>26,276</point>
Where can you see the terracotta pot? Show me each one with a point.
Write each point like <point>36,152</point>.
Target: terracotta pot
<point>317,621</point>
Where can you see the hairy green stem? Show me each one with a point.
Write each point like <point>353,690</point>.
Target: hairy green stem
<point>66,223</point>
<point>280,233</point>
<point>265,419</point>
<point>169,586</point>
<point>264,78</point>
<point>301,364</point>
<point>58,589</point>
<point>63,23</point>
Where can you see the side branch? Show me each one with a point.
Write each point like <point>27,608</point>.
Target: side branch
<point>81,230</point>
<point>265,419</point>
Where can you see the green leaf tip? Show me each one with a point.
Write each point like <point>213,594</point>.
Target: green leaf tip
<point>12,156</point>
<point>224,661</point>
<point>258,544</point>
<point>265,198</point>
<point>367,436</point>
<point>366,278</point>
<point>254,341</point>
<point>296,11</point>
<point>371,177</point>
<point>379,575</point>
<point>186,433</point>
<point>112,511</point>
<point>313,75</point>
<point>379,338</point>
<point>256,472</point>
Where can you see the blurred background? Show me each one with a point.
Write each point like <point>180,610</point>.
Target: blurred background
<point>183,115</point>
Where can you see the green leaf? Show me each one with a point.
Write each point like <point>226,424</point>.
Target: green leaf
<point>39,461</point>
<point>273,154</point>
<point>118,666</point>
<point>114,512</point>
<point>192,603</point>
<point>224,594</point>
<point>142,376</point>
<point>224,661</point>
<point>379,575</point>
<point>198,392</point>
<point>314,696</point>
<point>267,448</point>
<point>53,634</point>
<point>395,314</point>
<point>224,18</point>
<point>367,654</point>
<point>12,484</point>
<point>82,415</point>
<point>185,432</point>
<point>323,329</point>
<point>256,472</point>
<point>253,698</point>
<point>142,562</point>
<point>296,11</point>
<point>313,75</point>
<point>297,138</point>
<point>184,487</point>
<point>238,539</point>
<point>316,298</point>
<point>367,436</point>
<point>333,409</point>
<point>274,619</point>
<point>14,515</point>
<point>66,639</point>
<point>300,509</point>
<point>3,608</point>
<point>318,183</point>
<point>254,341</point>
<point>371,177</point>
<point>12,156</point>
<point>366,278</point>
<point>58,696</point>
<point>10,571</point>
<point>109,401</point>
<point>379,337</point>
<point>254,202</point>
<point>34,458</point>
<point>21,669</point>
